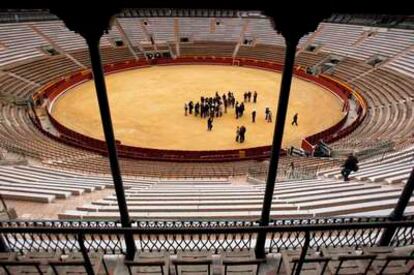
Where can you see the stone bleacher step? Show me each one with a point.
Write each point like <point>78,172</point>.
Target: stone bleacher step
<point>258,182</point>
<point>87,181</point>
<point>47,170</point>
<point>333,190</point>
<point>404,172</point>
<point>11,195</point>
<point>104,202</point>
<point>192,198</point>
<point>57,194</point>
<point>397,179</point>
<point>350,200</point>
<point>36,173</point>
<point>356,208</point>
<point>344,194</point>
<point>63,182</point>
<point>323,188</point>
<point>74,191</point>
<point>195,181</point>
<point>189,191</point>
<point>396,158</point>
<point>189,194</point>
<point>186,208</point>
<point>12,174</point>
<point>245,215</point>
<point>84,185</point>
<point>192,186</point>
<point>139,199</point>
<point>320,185</point>
<point>364,174</point>
<point>409,210</point>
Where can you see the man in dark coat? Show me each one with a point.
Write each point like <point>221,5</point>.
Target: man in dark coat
<point>190,107</point>
<point>351,164</point>
<point>242,133</point>
<point>295,119</point>
<point>197,109</point>
<point>254,116</point>
<point>241,109</point>
<point>238,134</point>
<point>267,110</point>
<point>209,124</point>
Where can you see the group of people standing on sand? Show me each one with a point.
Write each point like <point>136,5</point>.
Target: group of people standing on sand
<point>247,96</point>
<point>216,106</point>
<point>211,106</point>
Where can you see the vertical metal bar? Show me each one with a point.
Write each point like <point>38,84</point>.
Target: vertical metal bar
<point>277,142</point>
<point>37,266</point>
<point>3,203</point>
<point>129,269</point>
<point>398,212</point>
<point>303,253</point>
<point>88,265</point>
<point>98,75</point>
<point>324,267</point>
<point>6,269</point>
<point>3,245</point>
<point>339,267</point>
<point>385,267</point>
<point>411,269</point>
<point>54,269</point>
<point>369,266</point>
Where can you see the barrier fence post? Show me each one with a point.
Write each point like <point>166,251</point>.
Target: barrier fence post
<point>91,25</point>
<point>292,28</point>
<point>98,75</point>
<point>303,253</point>
<point>88,264</point>
<point>398,212</point>
<point>277,141</point>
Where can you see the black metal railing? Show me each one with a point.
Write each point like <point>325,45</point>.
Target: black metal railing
<point>108,236</point>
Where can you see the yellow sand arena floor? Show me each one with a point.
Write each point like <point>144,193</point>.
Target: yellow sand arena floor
<point>147,107</point>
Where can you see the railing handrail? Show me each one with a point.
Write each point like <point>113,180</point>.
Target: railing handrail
<point>210,230</point>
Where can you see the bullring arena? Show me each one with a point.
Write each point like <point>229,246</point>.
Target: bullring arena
<point>352,79</point>
<point>148,107</point>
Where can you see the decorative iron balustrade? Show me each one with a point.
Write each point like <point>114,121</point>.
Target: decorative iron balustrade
<point>215,236</point>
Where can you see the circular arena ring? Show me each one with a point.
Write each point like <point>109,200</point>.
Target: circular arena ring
<point>55,89</point>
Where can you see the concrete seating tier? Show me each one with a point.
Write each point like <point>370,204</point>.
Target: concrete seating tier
<point>109,55</point>
<point>204,48</point>
<point>295,198</point>
<point>391,168</point>
<point>39,184</point>
<point>308,59</point>
<point>45,70</point>
<point>20,43</point>
<point>262,52</point>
